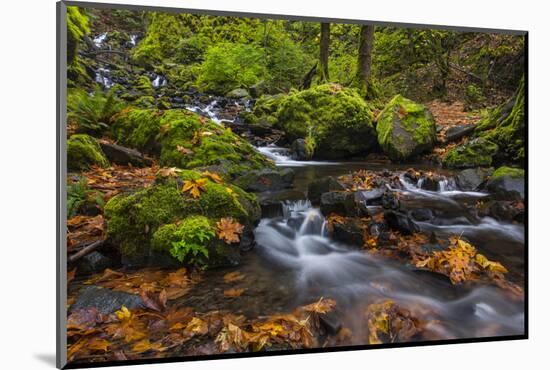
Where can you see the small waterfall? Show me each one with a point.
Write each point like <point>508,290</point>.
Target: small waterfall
<point>133,40</point>
<point>102,77</point>
<point>98,40</point>
<point>282,157</point>
<point>159,81</point>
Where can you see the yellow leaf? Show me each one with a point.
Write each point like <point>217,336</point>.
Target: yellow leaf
<point>194,187</point>
<point>213,177</point>
<point>123,314</point>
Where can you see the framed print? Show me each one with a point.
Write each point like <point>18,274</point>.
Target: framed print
<point>234,184</point>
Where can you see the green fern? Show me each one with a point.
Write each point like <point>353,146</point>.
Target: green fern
<point>92,112</point>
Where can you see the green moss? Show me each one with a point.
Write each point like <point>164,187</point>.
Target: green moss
<point>144,85</point>
<point>405,128</point>
<point>133,219</point>
<point>77,27</point>
<point>83,151</point>
<point>164,33</point>
<point>337,118</point>
<point>509,172</point>
<point>265,110</point>
<point>505,126</point>
<point>137,128</point>
<point>478,152</point>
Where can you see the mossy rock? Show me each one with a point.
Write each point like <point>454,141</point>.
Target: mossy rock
<point>133,219</point>
<point>186,140</point>
<point>264,111</point>
<point>405,129</point>
<point>333,117</point>
<point>477,152</point>
<point>83,151</point>
<point>509,172</point>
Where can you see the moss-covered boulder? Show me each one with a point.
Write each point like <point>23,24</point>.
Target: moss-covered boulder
<point>477,152</point>
<point>133,219</point>
<point>335,120</point>
<point>83,151</point>
<point>507,183</point>
<point>186,140</point>
<point>405,128</point>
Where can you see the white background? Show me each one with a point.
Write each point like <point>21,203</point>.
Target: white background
<point>27,181</point>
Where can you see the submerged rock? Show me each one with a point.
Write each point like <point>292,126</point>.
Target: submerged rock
<point>105,300</point>
<point>272,202</point>
<point>266,180</point>
<point>405,129</point>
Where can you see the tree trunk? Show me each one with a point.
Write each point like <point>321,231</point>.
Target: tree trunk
<point>364,60</point>
<point>324,46</point>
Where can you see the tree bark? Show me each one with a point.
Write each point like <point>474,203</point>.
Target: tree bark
<point>324,50</point>
<point>364,59</point>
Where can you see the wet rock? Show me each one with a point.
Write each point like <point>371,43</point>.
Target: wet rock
<point>105,300</point>
<point>330,322</point>
<point>339,202</point>
<point>272,202</point>
<point>367,200</point>
<point>471,178</point>
<point>124,156</point>
<point>299,151</point>
<point>400,222</point>
<point>503,210</point>
<point>93,262</point>
<point>318,187</point>
<point>390,200</point>
<point>430,183</point>
<point>421,214</point>
<point>507,183</point>
<point>266,180</point>
<point>457,132</point>
<point>348,233</point>
<point>237,94</point>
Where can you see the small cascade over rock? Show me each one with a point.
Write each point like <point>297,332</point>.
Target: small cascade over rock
<point>99,39</point>
<point>103,77</point>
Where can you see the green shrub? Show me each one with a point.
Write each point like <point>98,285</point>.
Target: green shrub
<point>187,240</point>
<point>228,66</point>
<point>92,112</point>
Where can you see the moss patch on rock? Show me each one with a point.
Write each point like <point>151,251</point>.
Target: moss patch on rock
<point>405,128</point>
<point>83,151</point>
<point>508,172</point>
<point>186,140</point>
<point>477,152</point>
<point>133,219</point>
<point>336,118</point>
<point>505,126</point>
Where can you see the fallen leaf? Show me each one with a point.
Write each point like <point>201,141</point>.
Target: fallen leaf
<point>194,187</point>
<point>231,277</point>
<point>229,230</point>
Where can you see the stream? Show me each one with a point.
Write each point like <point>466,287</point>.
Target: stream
<point>294,262</point>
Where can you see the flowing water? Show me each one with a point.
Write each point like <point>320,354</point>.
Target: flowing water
<point>295,262</point>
